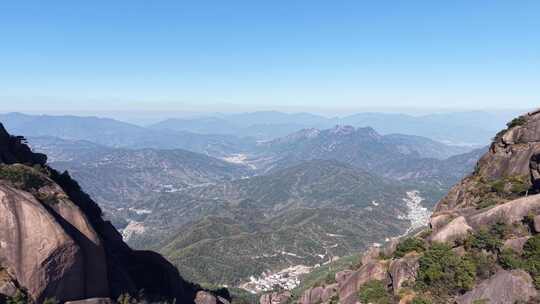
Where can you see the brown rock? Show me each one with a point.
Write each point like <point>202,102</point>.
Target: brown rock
<point>390,247</point>
<point>312,296</point>
<point>503,287</point>
<point>275,298</point>
<point>371,254</point>
<point>516,244</point>
<point>37,250</point>
<point>371,271</point>
<point>510,212</point>
<point>457,229</point>
<point>329,291</point>
<point>205,297</point>
<point>342,276</point>
<point>403,270</point>
<point>537,224</point>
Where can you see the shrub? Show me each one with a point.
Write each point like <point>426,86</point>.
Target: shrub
<point>518,121</point>
<point>444,272</point>
<point>489,240</point>
<point>19,298</point>
<point>509,259</point>
<point>22,177</point>
<point>51,301</point>
<point>485,264</point>
<point>374,292</point>
<point>531,254</point>
<point>409,245</point>
<point>420,300</point>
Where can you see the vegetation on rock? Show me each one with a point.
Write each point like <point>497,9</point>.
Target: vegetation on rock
<point>374,292</point>
<point>444,272</point>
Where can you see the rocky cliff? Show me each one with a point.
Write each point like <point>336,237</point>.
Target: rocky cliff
<point>54,242</point>
<point>482,246</point>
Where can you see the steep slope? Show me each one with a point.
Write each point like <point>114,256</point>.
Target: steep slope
<point>483,245</point>
<point>55,244</point>
<point>305,214</point>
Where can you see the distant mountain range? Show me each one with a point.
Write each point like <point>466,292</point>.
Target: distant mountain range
<point>470,128</point>
<point>223,131</point>
<point>223,207</point>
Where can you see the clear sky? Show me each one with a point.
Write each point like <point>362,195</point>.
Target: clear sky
<point>222,55</point>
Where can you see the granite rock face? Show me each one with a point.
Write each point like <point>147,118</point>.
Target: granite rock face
<point>55,244</point>
<point>275,298</point>
<point>403,270</point>
<point>514,153</point>
<point>514,286</point>
<point>375,270</point>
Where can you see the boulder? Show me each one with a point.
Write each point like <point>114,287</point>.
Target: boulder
<point>376,270</point>
<point>438,221</point>
<point>457,229</point>
<point>205,297</point>
<point>514,286</point>
<point>511,212</point>
<point>275,298</point>
<point>403,269</point>
<point>516,244</point>
<point>37,250</point>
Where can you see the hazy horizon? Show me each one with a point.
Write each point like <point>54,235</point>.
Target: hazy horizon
<point>243,56</point>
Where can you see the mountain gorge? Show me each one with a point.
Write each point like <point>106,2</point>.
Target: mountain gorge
<point>237,212</point>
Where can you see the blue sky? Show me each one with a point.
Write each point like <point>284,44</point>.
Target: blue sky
<point>224,55</point>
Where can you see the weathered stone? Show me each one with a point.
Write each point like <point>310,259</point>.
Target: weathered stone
<point>37,250</point>
<point>275,298</point>
<point>512,154</point>
<point>371,254</point>
<point>438,221</point>
<point>390,247</point>
<point>510,212</point>
<point>460,251</point>
<point>329,291</point>
<point>342,276</point>
<point>504,287</point>
<point>516,244</point>
<point>204,297</point>
<point>537,224</point>
<point>371,271</point>
<point>92,301</point>
<point>402,270</point>
<point>455,230</point>
<point>312,296</point>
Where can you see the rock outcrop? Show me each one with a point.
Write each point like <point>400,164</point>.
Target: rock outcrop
<point>375,270</point>
<point>275,298</point>
<point>504,287</point>
<point>403,270</point>
<point>497,207</point>
<point>55,244</point>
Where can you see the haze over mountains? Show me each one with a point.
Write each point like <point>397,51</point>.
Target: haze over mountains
<point>228,198</point>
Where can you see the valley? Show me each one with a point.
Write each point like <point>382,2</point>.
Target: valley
<point>276,207</point>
